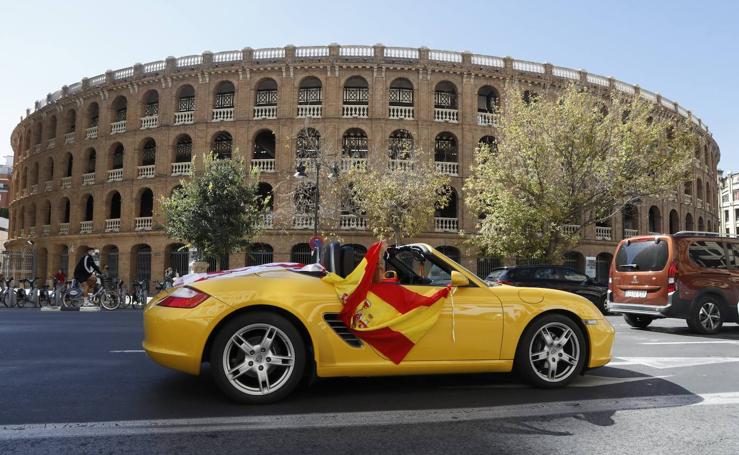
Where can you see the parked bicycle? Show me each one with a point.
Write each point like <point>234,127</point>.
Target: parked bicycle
<point>7,293</point>
<point>32,294</point>
<point>139,294</point>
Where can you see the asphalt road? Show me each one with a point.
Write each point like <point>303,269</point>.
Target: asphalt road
<point>79,383</point>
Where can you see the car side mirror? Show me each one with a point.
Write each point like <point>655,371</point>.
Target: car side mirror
<point>391,275</point>
<point>459,280</point>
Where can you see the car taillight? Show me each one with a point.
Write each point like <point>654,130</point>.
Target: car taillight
<point>672,274</point>
<point>508,282</point>
<point>184,297</point>
<point>610,283</point>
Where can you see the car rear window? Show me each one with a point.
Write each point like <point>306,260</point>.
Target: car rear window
<point>708,254</point>
<point>644,256</point>
<point>519,274</point>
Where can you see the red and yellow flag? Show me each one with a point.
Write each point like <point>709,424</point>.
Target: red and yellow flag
<point>389,317</point>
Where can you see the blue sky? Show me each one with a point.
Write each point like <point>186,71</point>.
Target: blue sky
<point>686,50</point>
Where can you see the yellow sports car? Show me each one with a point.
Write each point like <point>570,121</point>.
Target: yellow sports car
<point>264,329</point>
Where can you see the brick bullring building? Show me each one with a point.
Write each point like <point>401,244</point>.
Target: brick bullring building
<point>94,158</point>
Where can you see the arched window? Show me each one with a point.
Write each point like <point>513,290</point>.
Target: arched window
<point>530,96</point>
<point>264,147</point>
<point>701,224</point>
<point>93,115</point>
<point>485,265</point>
<point>265,196</point>
<point>674,222</point>
<point>355,97</point>
<point>117,157</point>
<point>183,149</point>
<point>354,144</point>
<point>575,260</point>
<point>91,160</point>
<point>266,94</point>
<point>68,167</point>
<point>449,211</point>
<point>400,145</point>
<point>699,189</point>
<point>305,198</point>
<point>445,148</point>
<point>119,109</point>
<point>309,92</point>
<point>64,211</point>
<point>150,106</point>
<point>64,259</point>
<point>47,213</point>
<point>148,152</point>
<point>185,99</point>
<point>222,145</point>
<point>688,188</point>
<point>51,128</point>
<point>114,206</point>
<point>401,93</point>
<point>32,215</point>
<point>602,267</point>
<point>146,203</point>
<point>225,95</point>
<point>110,255</point>
<point>689,222</point>
<point>300,253</point>
<point>34,174</point>
<point>488,100</point>
<point>307,145</point>
<point>258,254</point>
<point>630,220</point>
<point>89,206</point>
<point>445,95</point>
<point>488,141</point>
<point>71,121</point>
<point>179,258</point>
<point>141,255</point>
<point>655,220</point>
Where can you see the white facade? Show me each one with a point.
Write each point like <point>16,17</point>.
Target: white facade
<point>729,203</point>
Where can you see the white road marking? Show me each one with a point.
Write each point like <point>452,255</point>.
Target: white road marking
<point>357,419</point>
<point>655,343</point>
<point>588,380</point>
<point>671,362</point>
<point>127,351</point>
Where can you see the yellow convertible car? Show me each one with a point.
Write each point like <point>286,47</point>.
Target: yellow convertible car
<point>265,329</point>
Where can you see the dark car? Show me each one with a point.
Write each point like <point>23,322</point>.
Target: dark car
<point>552,277</point>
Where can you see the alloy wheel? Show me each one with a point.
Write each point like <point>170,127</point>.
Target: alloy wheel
<point>709,316</point>
<point>554,352</point>
<point>258,359</point>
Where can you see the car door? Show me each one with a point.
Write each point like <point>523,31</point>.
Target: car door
<point>732,247</point>
<point>470,326</point>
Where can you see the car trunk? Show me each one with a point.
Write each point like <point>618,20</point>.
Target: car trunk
<point>639,272</point>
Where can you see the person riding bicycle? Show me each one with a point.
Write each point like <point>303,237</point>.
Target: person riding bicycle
<point>83,272</point>
<point>106,279</point>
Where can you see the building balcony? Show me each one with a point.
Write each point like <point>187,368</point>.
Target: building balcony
<point>400,165</point>
<point>145,172</point>
<point>51,143</point>
<point>687,199</point>
<point>46,229</point>
<point>264,165</point>
<point>400,112</point>
<point>150,121</point>
<point>266,220</point>
<point>113,225</point>
<point>115,175</point>
<point>66,182</point>
<point>349,163</point>
<point>351,222</point>
<point>85,227</point>
<point>486,119</point>
<point>446,115</point>
<point>184,168</point>
<point>570,229</point>
<point>308,163</point>
<point>118,127</point>
<point>34,188</point>
<point>91,132</point>
<point>603,233</point>
<point>447,168</point>
<point>225,114</point>
<point>49,185</point>
<point>143,223</point>
<point>184,118</point>
<point>355,111</point>
<point>699,203</point>
<point>63,228</point>
<point>265,112</point>
<point>69,138</point>
<point>630,233</point>
<point>303,221</point>
<point>446,224</point>
<point>310,110</point>
<point>88,179</point>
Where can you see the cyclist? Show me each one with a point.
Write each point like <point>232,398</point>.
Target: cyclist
<point>83,273</point>
<point>60,277</point>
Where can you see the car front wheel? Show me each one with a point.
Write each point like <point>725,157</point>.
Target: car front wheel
<point>551,352</point>
<point>258,358</point>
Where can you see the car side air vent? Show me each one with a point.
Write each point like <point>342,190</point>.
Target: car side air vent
<point>332,319</point>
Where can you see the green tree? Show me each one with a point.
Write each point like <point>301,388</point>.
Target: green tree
<point>574,159</point>
<point>218,212</point>
<point>399,201</point>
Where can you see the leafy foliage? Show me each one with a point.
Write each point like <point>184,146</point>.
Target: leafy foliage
<point>574,159</point>
<point>217,212</point>
<point>398,202</point>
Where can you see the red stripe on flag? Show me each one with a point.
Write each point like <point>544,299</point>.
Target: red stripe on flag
<point>404,300</point>
<point>393,345</point>
<point>360,292</point>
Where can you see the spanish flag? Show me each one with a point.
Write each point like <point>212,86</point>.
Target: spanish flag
<point>386,315</point>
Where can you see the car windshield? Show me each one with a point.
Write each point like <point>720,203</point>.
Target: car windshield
<point>495,275</point>
<point>642,256</point>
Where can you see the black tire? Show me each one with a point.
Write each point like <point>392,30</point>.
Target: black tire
<point>69,302</point>
<point>20,299</point>
<point>7,299</point>
<point>705,316</point>
<point>533,342</point>
<point>288,344</point>
<point>638,321</point>
<point>599,302</point>
<point>109,301</point>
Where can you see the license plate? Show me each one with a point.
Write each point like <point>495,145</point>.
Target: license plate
<point>637,294</point>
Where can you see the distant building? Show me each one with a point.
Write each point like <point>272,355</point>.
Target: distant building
<point>6,171</point>
<point>729,202</point>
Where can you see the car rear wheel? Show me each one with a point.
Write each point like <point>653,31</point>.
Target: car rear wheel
<point>638,321</point>
<point>705,316</point>
<point>258,358</point>
<point>551,352</point>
